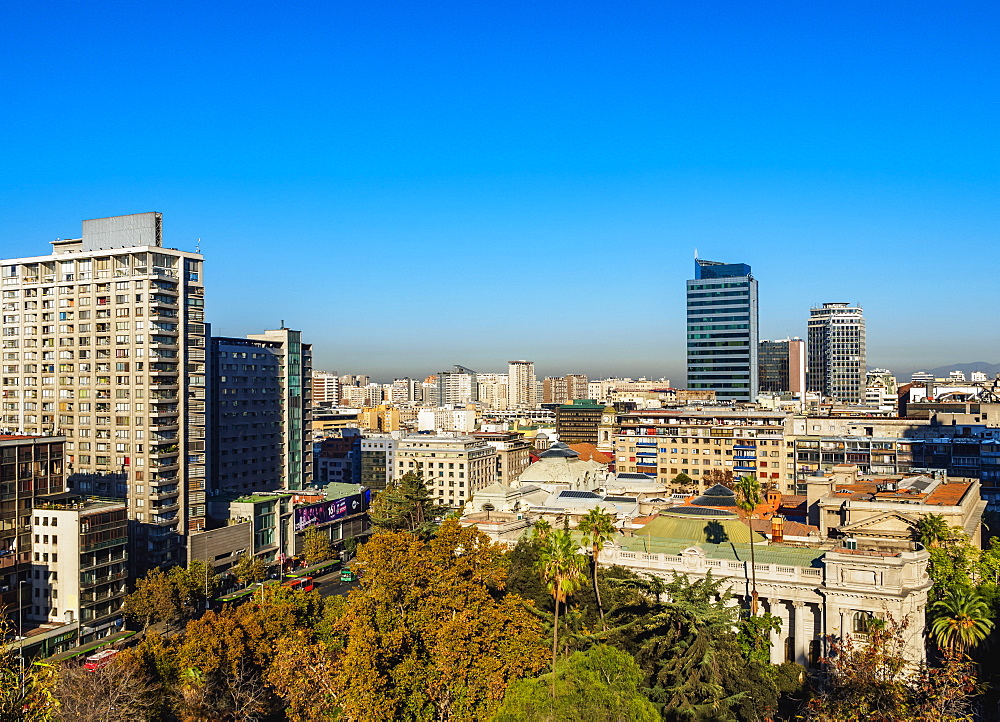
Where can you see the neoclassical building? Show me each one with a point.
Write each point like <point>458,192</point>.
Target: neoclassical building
<point>816,592</point>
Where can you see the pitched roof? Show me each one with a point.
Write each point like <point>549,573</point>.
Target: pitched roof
<point>589,452</point>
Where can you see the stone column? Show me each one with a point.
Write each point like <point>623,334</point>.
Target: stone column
<point>777,650</point>
<point>802,636</point>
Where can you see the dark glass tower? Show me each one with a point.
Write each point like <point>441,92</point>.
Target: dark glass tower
<point>722,330</point>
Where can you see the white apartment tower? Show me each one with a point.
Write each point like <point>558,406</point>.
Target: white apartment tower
<point>104,343</point>
<point>836,355</point>
<point>522,385</point>
<point>325,388</point>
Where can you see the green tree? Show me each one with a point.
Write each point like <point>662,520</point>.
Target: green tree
<point>317,547</point>
<point>250,569</point>
<point>598,529</point>
<point>931,530</point>
<point>25,692</point>
<point>601,684</point>
<point>540,528</point>
<point>406,505</point>
<point>561,568</point>
<point>682,636</point>
<point>172,596</point>
<point>682,480</point>
<point>747,490</point>
<point>960,620</point>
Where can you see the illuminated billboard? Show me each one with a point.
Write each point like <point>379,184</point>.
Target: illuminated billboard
<point>329,511</point>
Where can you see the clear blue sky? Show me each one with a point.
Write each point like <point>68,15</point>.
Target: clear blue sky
<point>420,184</point>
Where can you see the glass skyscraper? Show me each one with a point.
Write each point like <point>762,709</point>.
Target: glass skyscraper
<point>722,330</point>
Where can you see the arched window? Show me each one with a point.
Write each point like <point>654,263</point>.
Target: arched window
<point>862,624</point>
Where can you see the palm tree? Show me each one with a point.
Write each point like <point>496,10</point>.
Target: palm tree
<point>932,529</point>
<point>747,490</point>
<point>961,619</point>
<point>598,528</point>
<point>561,568</point>
<point>542,528</point>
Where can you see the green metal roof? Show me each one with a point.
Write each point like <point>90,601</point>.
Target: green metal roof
<point>765,554</point>
<point>701,530</point>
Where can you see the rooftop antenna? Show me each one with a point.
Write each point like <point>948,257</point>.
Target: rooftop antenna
<point>696,254</point>
<point>197,246</point>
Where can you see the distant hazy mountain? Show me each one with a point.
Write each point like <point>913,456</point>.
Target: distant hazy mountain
<point>990,370</point>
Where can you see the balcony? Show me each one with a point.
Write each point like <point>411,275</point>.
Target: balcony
<point>96,546</point>
<point>92,597</point>
<point>103,562</point>
<point>92,581</point>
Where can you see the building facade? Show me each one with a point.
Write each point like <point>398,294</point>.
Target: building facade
<point>837,361</point>
<point>378,460</point>
<point>104,342</point>
<point>325,388</point>
<point>30,467</point>
<point>782,366</point>
<point>522,384</point>
<point>579,422</point>
<point>80,563</point>
<point>722,337</point>
<point>703,444</point>
<point>457,386</point>
<point>260,395</point>
<point>453,467</point>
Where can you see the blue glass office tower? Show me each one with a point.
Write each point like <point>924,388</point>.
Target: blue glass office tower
<point>722,330</point>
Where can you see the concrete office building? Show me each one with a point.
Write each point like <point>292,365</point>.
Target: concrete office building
<point>782,366</point>
<point>837,352</point>
<point>260,412</point>
<point>722,330</point>
<point>523,386</point>
<point>104,342</point>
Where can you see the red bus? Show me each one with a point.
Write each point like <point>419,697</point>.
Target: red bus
<point>101,659</point>
<point>304,584</point>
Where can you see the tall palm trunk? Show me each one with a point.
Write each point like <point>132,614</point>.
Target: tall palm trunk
<point>597,592</point>
<point>753,576</point>
<point>555,647</point>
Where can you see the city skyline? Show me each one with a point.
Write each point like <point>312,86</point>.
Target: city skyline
<point>508,178</point>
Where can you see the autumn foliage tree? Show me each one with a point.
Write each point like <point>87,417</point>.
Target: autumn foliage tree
<point>317,547</point>
<point>430,634</point>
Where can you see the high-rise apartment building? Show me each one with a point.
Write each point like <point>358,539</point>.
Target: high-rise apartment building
<point>492,390</point>
<point>104,343</point>
<point>522,385</point>
<point>457,386</point>
<point>325,388</point>
<point>564,389</point>
<point>837,363</point>
<point>782,366</point>
<point>260,412</point>
<point>722,330</point>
